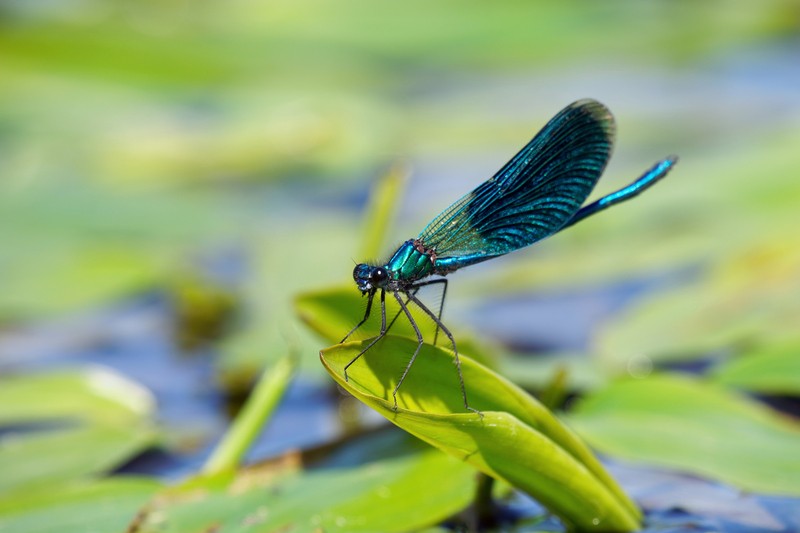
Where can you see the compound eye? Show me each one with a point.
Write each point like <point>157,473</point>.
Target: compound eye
<point>379,275</point>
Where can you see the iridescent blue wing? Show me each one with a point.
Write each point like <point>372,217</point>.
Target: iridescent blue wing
<point>532,196</point>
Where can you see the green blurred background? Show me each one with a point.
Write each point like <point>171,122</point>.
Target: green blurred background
<point>222,151</point>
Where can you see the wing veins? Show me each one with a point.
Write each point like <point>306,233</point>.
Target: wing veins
<point>552,175</point>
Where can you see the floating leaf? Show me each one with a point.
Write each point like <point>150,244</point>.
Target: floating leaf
<point>96,395</point>
<point>80,424</point>
<point>40,459</point>
<point>514,439</point>
<point>54,280</point>
<point>382,495</point>
<point>749,297</point>
<point>771,369</point>
<point>68,246</point>
<point>105,505</point>
<point>700,428</point>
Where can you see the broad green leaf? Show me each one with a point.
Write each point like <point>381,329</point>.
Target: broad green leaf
<point>748,298</point>
<point>383,495</point>
<point>704,429</point>
<point>770,369</point>
<point>96,395</point>
<point>53,280</point>
<point>65,426</point>
<point>42,458</point>
<point>71,246</point>
<point>514,439</point>
<point>108,505</point>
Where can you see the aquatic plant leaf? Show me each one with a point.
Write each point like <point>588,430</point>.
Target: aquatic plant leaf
<point>751,297</point>
<point>66,426</point>
<point>103,505</point>
<point>50,281</point>
<point>43,458</point>
<point>96,394</point>
<point>700,428</point>
<point>383,495</point>
<point>515,439</point>
<point>769,369</point>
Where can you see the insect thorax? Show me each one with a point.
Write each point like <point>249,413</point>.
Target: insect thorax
<point>412,261</point>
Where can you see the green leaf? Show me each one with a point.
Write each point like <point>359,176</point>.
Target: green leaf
<point>95,395</point>
<point>382,495</point>
<point>40,459</point>
<point>102,506</point>
<point>69,245</point>
<point>749,297</point>
<point>770,369</point>
<point>51,280</point>
<point>84,423</point>
<point>700,428</point>
<point>515,439</point>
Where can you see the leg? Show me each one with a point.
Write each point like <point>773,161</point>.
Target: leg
<point>419,343</point>
<point>376,339</point>
<point>441,310</point>
<point>370,296</point>
<point>455,350</point>
<point>442,281</point>
<point>413,291</point>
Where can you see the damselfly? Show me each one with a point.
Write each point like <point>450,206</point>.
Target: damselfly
<point>539,192</point>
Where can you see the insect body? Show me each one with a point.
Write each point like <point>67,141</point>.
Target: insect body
<point>539,192</point>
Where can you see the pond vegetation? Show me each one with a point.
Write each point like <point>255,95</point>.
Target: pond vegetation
<point>186,187</point>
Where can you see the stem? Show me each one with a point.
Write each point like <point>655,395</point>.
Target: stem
<point>251,419</point>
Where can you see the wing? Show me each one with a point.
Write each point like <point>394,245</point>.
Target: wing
<point>532,196</point>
